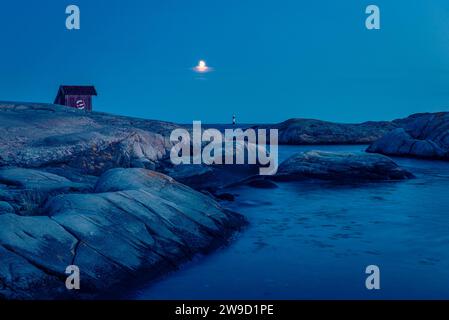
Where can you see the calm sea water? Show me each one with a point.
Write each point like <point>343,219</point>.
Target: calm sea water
<point>314,240</point>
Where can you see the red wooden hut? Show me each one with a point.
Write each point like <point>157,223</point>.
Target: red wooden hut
<point>79,97</point>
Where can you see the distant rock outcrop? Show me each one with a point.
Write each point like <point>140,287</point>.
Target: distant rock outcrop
<point>316,132</point>
<point>340,166</point>
<point>424,135</point>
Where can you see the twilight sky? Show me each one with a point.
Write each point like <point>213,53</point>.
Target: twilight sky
<point>272,59</point>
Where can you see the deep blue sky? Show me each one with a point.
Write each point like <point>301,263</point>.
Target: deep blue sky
<point>273,59</point>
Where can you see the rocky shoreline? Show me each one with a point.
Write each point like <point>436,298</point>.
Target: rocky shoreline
<point>97,191</point>
<point>79,189</point>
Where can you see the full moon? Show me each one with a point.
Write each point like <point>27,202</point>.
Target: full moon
<point>202,67</point>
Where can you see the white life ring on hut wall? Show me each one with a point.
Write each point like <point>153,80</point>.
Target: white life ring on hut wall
<point>80,104</point>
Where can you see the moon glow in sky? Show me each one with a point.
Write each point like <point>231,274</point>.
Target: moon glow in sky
<point>202,67</point>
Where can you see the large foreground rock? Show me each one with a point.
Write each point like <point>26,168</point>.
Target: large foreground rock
<point>421,135</point>
<point>310,131</point>
<point>138,224</point>
<point>340,167</point>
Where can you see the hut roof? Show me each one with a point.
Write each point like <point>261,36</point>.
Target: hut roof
<point>78,90</point>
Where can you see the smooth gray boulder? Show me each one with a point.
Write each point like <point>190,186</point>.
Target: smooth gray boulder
<point>340,166</point>
<point>181,197</point>
<point>421,135</point>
